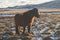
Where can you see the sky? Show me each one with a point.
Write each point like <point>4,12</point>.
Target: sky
<point>11,3</point>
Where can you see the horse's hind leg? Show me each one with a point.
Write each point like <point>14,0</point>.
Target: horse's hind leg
<point>17,32</point>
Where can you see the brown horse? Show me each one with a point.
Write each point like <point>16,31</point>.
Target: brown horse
<point>25,19</point>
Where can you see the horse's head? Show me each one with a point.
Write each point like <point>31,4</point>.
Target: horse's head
<point>35,12</point>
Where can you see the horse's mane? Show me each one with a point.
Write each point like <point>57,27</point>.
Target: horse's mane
<point>29,12</point>
<point>35,10</point>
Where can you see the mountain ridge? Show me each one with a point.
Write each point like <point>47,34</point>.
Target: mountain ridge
<point>49,5</point>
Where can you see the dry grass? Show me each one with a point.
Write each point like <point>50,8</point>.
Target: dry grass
<point>51,19</point>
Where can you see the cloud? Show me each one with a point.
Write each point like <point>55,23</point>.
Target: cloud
<point>11,3</point>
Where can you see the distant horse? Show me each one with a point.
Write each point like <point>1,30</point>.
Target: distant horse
<point>25,19</point>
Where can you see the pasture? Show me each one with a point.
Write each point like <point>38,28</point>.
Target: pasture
<point>49,21</point>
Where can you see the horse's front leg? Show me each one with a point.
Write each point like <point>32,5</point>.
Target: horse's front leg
<point>23,29</point>
<point>17,32</point>
<point>28,29</point>
<point>30,24</point>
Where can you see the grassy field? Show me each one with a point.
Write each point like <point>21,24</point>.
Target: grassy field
<point>46,19</point>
